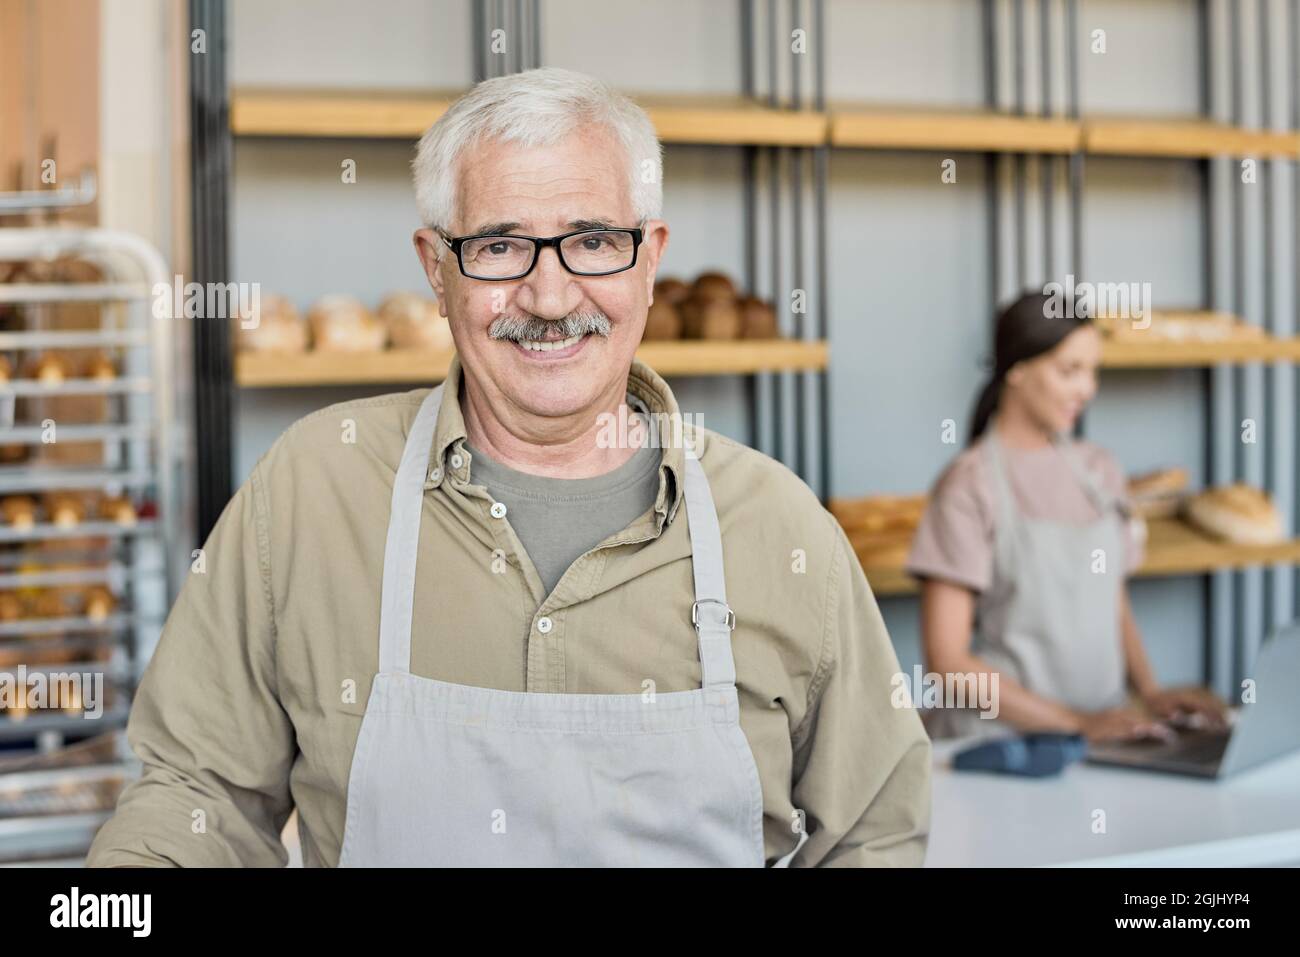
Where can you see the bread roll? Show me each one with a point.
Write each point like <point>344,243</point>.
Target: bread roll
<point>663,321</point>
<point>50,368</point>
<point>672,291</point>
<point>64,509</point>
<point>100,367</point>
<point>117,508</point>
<point>99,603</point>
<point>710,319</point>
<point>1158,494</point>
<point>713,286</point>
<point>343,324</point>
<point>6,369</point>
<point>413,322</point>
<point>19,511</point>
<point>757,319</point>
<point>11,608</point>
<point>274,326</point>
<point>879,513</point>
<point>1237,513</point>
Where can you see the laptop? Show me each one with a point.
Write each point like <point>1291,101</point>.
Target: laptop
<point>1266,729</point>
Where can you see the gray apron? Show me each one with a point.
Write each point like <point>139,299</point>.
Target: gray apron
<point>455,775</point>
<point>1048,620</point>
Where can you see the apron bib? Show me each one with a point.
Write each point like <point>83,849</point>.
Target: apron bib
<point>1049,620</point>
<point>461,776</point>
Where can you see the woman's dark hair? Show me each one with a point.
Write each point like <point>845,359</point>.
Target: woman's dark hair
<point>1032,325</point>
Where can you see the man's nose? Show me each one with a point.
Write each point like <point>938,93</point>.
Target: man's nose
<point>549,291</point>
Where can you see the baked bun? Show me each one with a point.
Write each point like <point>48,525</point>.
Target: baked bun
<point>98,603</point>
<point>671,291</point>
<point>1236,513</point>
<point>413,322</point>
<point>19,511</point>
<point>274,326</point>
<point>663,321</point>
<point>51,369</point>
<point>710,319</point>
<point>757,319</point>
<point>11,608</point>
<point>343,324</point>
<point>117,508</point>
<point>1158,494</point>
<point>6,369</point>
<point>100,367</point>
<point>713,286</point>
<point>64,510</point>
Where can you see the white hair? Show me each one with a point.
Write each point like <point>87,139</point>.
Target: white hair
<point>535,108</point>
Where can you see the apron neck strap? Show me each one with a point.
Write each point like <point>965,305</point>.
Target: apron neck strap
<point>997,459</point>
<point>711,615</point>
<point>402,547</point>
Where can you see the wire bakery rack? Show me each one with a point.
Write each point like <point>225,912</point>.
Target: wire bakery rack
<point>88,479</point>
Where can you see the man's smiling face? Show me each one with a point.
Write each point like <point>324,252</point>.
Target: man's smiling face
<point>505,187</point>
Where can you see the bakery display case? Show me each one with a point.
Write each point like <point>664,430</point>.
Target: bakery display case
<point>87,483</point>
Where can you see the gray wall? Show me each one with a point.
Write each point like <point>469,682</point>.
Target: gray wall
<point>908,255</point>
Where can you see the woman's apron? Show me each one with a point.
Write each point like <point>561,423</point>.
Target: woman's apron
<point>454,775</point>
<point>1050,619</point>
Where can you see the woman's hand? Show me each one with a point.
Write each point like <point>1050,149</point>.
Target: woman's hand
<point>1120,724</point>
<point>1194,707</point>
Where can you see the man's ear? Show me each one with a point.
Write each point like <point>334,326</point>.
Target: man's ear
<point>654,240</point>
<point>426,247</point>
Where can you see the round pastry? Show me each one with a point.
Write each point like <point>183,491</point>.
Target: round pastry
<point>275,325</point>
<point>11,609</point>
<point>64,510</point>
<point>117,508</point>
<point>343,324</point>
<point>100,367</point>
<point>673,291</point>
<point>757,319</point>
<point>99,603</point>
<point>1237,513</point>
<point>6,369</point>
<point>413,322</point>
<point>663,321</point>
<point>51,369</point>
<point>19,511</point>
<point>713,286</point>
<point>710,319</point>
<point>1158,494</point>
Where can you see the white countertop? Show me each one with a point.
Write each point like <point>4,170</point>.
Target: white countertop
<point>1151,820</point>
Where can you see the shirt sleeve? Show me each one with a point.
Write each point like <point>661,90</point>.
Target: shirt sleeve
<point>206,722</point>
<point>861,765</point>
<point>954,540</point>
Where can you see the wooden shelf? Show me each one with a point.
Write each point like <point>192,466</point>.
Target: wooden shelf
<point>406,115</point>
<point>680,358</point>
<point>1173,548</point>
<point>1157,354</point>
<point>1191,137</point>
<point>971,131</point>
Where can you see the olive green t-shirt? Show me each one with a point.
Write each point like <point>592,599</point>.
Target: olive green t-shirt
<point>557,519</point>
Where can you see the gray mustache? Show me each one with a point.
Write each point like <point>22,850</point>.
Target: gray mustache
<point>519,328</point>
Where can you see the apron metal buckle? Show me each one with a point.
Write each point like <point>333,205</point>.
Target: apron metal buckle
<point>730,620</point>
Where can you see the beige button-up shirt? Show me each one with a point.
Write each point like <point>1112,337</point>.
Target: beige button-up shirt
<point>253,700</point>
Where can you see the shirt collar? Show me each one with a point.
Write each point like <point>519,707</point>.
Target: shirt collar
<point>643,383</point>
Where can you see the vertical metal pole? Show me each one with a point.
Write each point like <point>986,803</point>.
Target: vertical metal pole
<point>1022,252</point>
<point>749,190</point>
<point>1077,157</point>
<point>992,161</point>
<point>1046,161</point>
<point>800,380</point>
<point>537,33</point>
<point>774,200</point>
<point>210,162</point>
<point>821,176</point>
<point>478,37</point>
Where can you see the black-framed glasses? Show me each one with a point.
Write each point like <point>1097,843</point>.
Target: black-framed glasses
<point>583,252</point>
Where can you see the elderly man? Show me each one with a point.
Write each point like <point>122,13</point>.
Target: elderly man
<point>476,625</point>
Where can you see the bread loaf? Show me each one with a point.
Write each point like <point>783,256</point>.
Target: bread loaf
<point>663,321</point>
<point>1237,513</point>
<point>1158,494</point>
<point>343,324</point>
<point>100,367</point>
<point>99,603</point>
<point>274,326</point>
<point>710,319</point>
<point>757,319</point>
<point>19,511</point>
<point>672,291</point>
<point>713,286</point>
<point>413,322</point>
<point>50,368</point>
<point>64,509</point>
<point>117,508</point>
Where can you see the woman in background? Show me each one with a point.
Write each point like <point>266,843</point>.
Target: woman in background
<point>1024,549</point>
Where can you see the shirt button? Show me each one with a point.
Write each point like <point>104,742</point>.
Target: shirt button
<point>456,460</point>
<point>544,625</point>
<point>498,510</point>
<point>435,475</point>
